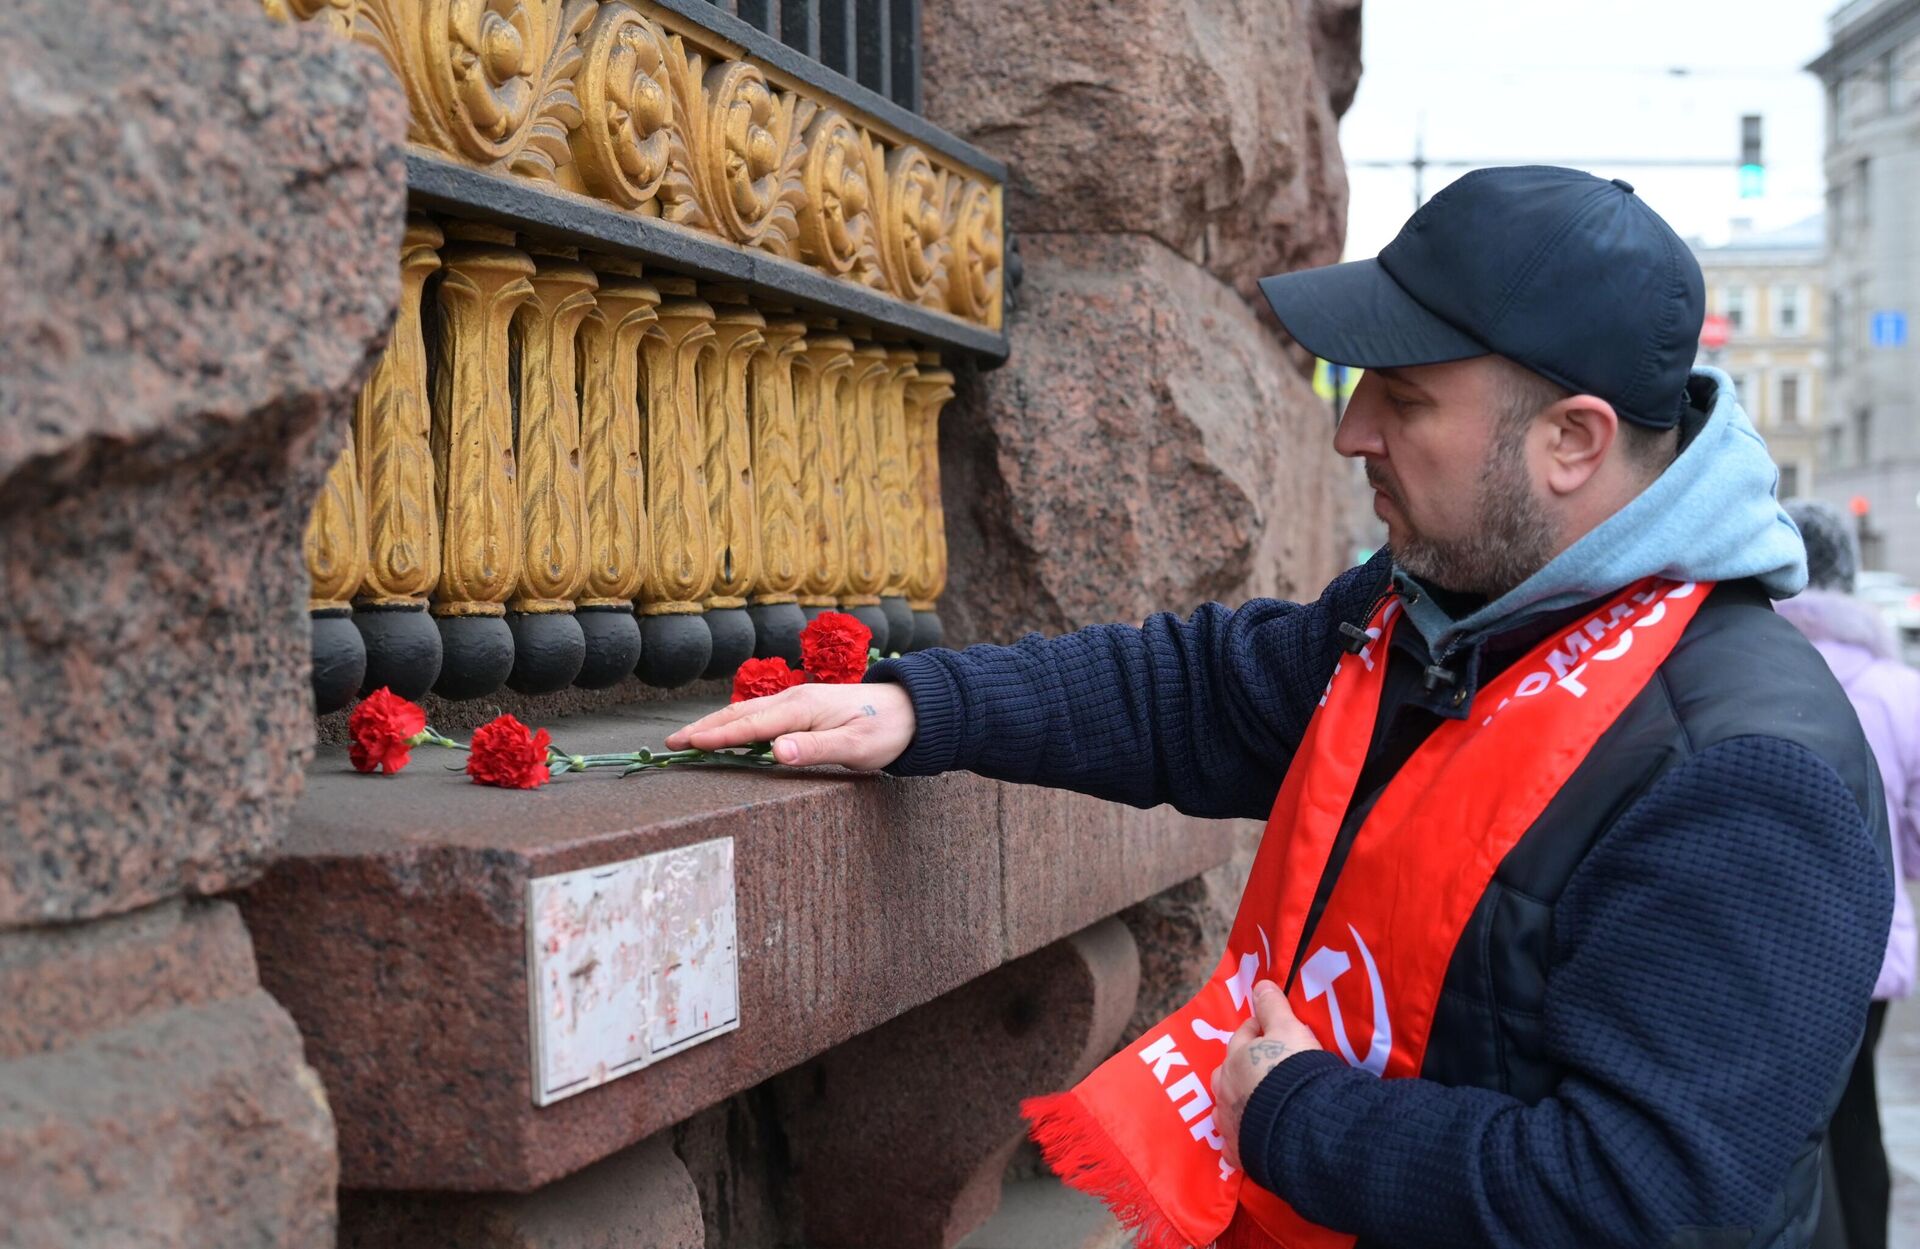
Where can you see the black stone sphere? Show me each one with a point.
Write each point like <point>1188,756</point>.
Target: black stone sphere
<point>872,617</point>
<point>776,631</point>
<point>476,656</point>
<point>899,624</point>
<point>613,646</point>
<point>548,651</point>
<point>732,630</point>
<point>339,661</point>
<point>403,649</point>
<point>674,650</point>
<point>928,632</point>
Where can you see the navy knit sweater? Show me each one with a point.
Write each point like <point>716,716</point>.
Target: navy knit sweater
<point>1710,955</point>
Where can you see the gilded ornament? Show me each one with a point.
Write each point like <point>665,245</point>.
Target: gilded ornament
<point>913,223</point>
<point>680,571</point>
<point>927,394</point>
<point>393,432</point>
<point>547,447</point>
<point>729,465</point>
<point>836,219</point>
<point>336,545</point>
<point>619,542</point>
<point>625,140</point>
<point>473,428</point>
<point>974,266</point>
<point>893,475</point>
<point>335,15</point>
<point>819,384</point>
<point>776,462</point>
<point>859,481</point>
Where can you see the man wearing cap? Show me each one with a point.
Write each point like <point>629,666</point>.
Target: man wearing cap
<point>1574,889</point>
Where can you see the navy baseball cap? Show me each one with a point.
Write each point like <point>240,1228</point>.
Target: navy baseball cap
<point>1566,274</point>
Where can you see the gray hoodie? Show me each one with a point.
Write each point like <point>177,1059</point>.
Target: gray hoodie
<point>1711,516</point>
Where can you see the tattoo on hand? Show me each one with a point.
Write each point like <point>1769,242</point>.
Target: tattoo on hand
<point>1268,1054</point>
<point>867,710</point>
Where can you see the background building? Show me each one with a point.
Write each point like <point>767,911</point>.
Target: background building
<point>1871,451</point>
<point>1768,287</point>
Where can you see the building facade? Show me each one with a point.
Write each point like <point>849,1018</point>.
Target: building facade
<point>1770,289</point>
<point>1870,452</point>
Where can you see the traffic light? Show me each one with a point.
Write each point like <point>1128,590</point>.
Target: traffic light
<point>1753,173</point>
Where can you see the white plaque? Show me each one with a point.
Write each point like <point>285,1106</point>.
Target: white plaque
<point>629,963</point>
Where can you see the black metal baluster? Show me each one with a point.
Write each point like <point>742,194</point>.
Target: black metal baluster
<point>755,13</point>
<point>873,54</point>
<point>904,40</point>
<point>800,26</point>
<point>836,35</point>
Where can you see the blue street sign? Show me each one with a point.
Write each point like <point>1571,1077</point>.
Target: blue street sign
<point>1889,329</point>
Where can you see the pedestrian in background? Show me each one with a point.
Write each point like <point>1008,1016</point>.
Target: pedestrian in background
<point>1860,648</point>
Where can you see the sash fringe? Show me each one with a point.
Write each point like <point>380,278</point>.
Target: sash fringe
<point>1077,1149</point>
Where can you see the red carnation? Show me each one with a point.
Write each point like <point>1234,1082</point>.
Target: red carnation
<point>835,648</point>
<point>758,678</point>
<point>507,753</point>
<point>385,729</point>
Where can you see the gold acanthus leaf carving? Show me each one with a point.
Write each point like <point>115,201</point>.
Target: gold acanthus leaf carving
<point>776,462</point>
<point>737,151</point>
<point>558,112</point>
<point>619,539</point>
<point>859,483</point>
<point>819,380</point>
<point>473,428</point>
<point>334,15</point>
<point>625,139</point>
<point>836,212</point>
<point>974,264</point>
<point>547,456</point>
<point>729,463</point>
<point>913,245</point>
<point>680,572</point>
<point>596,96</point>
<point>893,474</point>
<point>393,437</point>
<point>927,394</point>
<point>336,544</point>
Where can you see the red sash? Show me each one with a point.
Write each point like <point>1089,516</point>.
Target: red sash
<point>1139,1133</point>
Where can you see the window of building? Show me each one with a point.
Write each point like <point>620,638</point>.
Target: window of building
<point>1733,306</point>
<point>1862,435</point>
<point>1789,481</point>
<point>1788,407</point>
<point>1789,310</point>
<point>1862,193</point>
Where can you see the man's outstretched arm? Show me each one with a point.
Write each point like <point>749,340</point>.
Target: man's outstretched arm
<point>1714,957</point>
<point>1204,713</point>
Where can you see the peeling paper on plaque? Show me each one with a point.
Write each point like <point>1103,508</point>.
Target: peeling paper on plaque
<point>630,963</point>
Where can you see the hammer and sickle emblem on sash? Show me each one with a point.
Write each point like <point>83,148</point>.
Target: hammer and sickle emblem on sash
<point>1317,976</point>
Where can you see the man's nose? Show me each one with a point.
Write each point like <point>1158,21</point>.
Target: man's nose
<point>1358,433</point>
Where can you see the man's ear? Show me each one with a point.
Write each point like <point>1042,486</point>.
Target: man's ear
<point>1581,431</point>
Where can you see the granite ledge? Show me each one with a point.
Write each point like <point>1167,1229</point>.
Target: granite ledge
<point>392,928</point>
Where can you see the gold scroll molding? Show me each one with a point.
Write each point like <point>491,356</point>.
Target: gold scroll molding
<point>631,105</point>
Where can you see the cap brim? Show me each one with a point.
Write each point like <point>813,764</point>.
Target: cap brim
<point>1356,314</point>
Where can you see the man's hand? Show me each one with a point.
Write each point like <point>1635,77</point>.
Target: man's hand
<point>864,727</point>
<point>1262,1043</point>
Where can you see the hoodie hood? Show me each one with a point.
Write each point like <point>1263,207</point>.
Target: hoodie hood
<point>1711,516</point>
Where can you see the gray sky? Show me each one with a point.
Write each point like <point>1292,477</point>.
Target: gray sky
<point>1573,82</point>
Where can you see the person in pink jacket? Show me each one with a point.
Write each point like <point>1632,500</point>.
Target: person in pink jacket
<point>1860,648</point>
